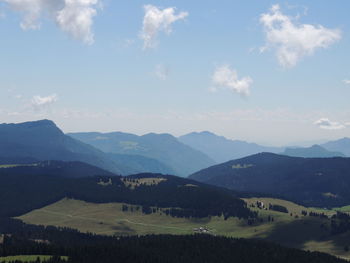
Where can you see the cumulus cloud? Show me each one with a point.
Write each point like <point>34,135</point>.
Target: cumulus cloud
<point>74,17</point>
<point>39,102</point>
<point>325,123</point>
<point>227,78</point>
<point>293,40</point>
<point>157,20</point>
<point>162,72</point>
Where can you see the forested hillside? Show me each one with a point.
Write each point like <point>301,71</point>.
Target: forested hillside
<point>86,248</point>
<point>322,182</point>
<point>21,192</point>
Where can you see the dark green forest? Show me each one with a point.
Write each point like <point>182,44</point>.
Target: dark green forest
<point>86,248</point>
<point>23,189</point>
<point>320,182</point>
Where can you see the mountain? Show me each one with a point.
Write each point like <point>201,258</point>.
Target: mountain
<point>165,148</point>
<point>31,142</point>
<point>221,149</point>
<point>342,145</point>
<point>315,151</point>
<point>322,182</point>
<point>43,140</point>
<point>139,163</point>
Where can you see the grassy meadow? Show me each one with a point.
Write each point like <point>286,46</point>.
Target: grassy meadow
<point>290,229</point>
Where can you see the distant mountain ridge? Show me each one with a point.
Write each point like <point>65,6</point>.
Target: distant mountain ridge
<point>222,149</point>
<point>341,145</point>
<point>319,182</point>
<point>315,151</point>
<point>180,158</point>
<point>42,140</point>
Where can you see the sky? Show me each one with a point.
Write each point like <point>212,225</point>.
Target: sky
<point>272,72</point>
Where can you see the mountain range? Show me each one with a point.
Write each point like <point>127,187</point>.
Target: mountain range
<point>124,153</point>
<point>342,145</point>
<point>31,142</point>
<point>165,148</point>
<point>315,151</point>
<point>222,149</point>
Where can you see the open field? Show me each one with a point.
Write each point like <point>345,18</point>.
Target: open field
<point>291,230</point>
<point>32,258</point>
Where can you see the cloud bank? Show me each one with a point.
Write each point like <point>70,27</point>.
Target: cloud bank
<point>292,40</point>
<point>227,78</point>
<point>158,20</point>
<point>326,124</point>
<point>74,17</point>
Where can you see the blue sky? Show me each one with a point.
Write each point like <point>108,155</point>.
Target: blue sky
<point>213,65</point>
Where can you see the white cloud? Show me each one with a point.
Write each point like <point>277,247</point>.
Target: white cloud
<point>346,81</point>
<point>292,40</point>
<point>74,17</point>
<point>325,123</point>
<point>162,72</point>
<point>39,102</point>
<point>157,20</point>
<point>227,78</point>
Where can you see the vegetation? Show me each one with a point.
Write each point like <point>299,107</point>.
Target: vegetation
<point>21,193</point>
<point>294,229</point>
<point>278,208</point>
<point>162,248</point>
<point>31,258</point>
<point>320,182</point>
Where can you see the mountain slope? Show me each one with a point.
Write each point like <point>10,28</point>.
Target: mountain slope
<point>55,168</point>
<point>138,163</point>
<point>314,151</point>
<point>22,192</point>
<point>43,140</point>
<point>311,181</point>
<point>342,145</point>
<point>221,149</point>
<point>165,148</point>
<point>31,142</point>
